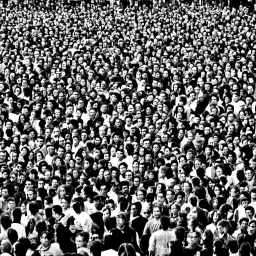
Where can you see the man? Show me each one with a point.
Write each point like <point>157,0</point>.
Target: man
<point>193,241</point>
<point>243,226</point>
<point>58,215</point>
<point>123,233</point>
<point>109,222</point>
<point>31,193</point>
<point>158,242</point>
<point>250,177</point>
<point>252,231</point>
<point>10,206</point>
<point>6,248</point>
<point>3,199</point>
<point>253,198</point>
<point>81,241</point>
<point>222,228</point>
<point>137,222</point>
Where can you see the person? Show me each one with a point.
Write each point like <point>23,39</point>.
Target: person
<point>126,249</point>
<point>158,242</point>
<point>158,108</point>
<point>81,241</point>
<point>123,233</point>
<point>193,243</point>
<point>46,247</point>
<point>137,222</point>
<point>16,223</point>
<point>154,224</point>
<point>19,249</point>
<point>83,221</point>
<point>63,238</point>
<point>6,247</point>
<point>95,248</point>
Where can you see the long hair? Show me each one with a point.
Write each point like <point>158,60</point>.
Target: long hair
<point>126,249</point>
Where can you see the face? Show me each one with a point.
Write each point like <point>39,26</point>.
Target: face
<point>44,241</point>
<point>156,212</point>
<point>106,215</point>
<point>120,222</point>
<point>79,242</point>
<point>252,228</point>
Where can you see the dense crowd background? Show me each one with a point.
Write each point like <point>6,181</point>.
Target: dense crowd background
<point>127,127</point>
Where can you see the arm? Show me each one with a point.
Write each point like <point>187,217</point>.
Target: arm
<point>146,230</point>
<point>152,245</point>
<point>87,226</point>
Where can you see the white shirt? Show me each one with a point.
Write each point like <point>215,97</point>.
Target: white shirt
<point>20,229</point>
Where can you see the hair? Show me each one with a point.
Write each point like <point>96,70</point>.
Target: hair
<point>63,237</point>
<point>85,236</point>
<point>33,208</point>
<point>57,209</point>
<point>232,245</point>
<point>41,227</point>
<point>6,221</point>
<point>77,207</point>
<point>96,247</point>
<point>165,222</point>
<point>12,235</point>
<point>138,206</point>
<point>16,213</point>
<point>20,249</point>
<point>126,249</point>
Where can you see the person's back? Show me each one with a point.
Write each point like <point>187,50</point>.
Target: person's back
<point>158,242</point>
<point>6,247</point>
<point>95,248</point>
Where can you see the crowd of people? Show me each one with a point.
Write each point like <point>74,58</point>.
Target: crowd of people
<point>128,131</point>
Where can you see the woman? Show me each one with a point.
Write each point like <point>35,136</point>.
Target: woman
<point>61,192</point>
<point>47,248</point>
<point>214,218</point>
<point>126,249</point>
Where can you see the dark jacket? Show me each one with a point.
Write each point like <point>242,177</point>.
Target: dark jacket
<point>138,225</point>
<point>127,235</point>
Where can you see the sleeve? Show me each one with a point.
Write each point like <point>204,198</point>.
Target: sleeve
<point>152,243</point>
<point>87,226</point>
<point>23,232</point>
<point>146,229</point>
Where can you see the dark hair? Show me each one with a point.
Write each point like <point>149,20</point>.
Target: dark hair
<point>57,209</point>
<point>20,249</point>
<point>16,213</point>
<point>6,221</point>
<point>12,235</point>
<point>41,227</point>
<point>63,237</point>
<point>33,208</point>
<point>96,247</point>
<point>126,249</point>
<point>77,207</point>
<point>85,236</point>
<point>165,222</point>
<point>138,207</point>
